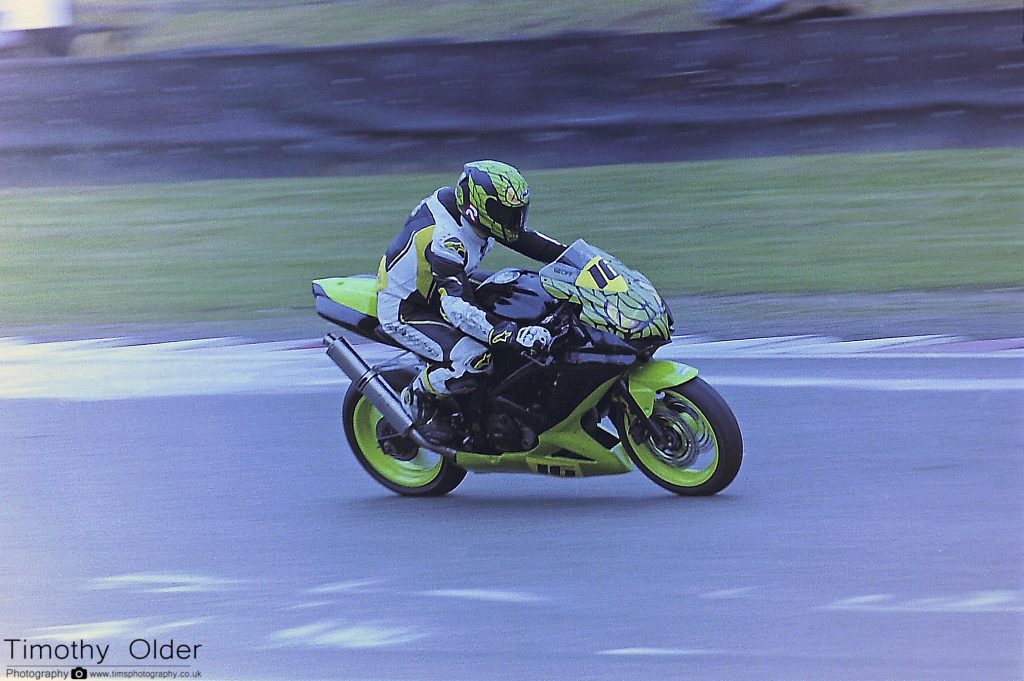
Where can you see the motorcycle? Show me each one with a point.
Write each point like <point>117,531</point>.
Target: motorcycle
<point>596,402</point>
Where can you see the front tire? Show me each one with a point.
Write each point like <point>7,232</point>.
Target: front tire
<point>426,474</point>
<point>700,449</point>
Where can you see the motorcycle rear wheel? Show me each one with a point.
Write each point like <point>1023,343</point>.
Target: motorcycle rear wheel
<point>427,474</point>
<point>701,447</point>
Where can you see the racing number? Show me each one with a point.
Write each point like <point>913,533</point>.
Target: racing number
<point>602,273</point>
<point>602,276</point>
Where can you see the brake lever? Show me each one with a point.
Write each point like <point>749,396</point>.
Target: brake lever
<point>541,359</point>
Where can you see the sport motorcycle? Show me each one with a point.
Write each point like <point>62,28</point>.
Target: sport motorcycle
<point>595,402</point>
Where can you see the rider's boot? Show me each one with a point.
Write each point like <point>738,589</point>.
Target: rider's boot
<point>421,406</point>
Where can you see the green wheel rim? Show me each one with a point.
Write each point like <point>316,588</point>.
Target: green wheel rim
<point>692,457</point>
<point>419,472</point>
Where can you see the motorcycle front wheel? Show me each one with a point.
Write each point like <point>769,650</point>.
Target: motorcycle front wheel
<point>422,473</point>
<point>698,448</point>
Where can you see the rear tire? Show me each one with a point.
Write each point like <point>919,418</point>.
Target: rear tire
<point>428,474</point>
<point>703,447</point>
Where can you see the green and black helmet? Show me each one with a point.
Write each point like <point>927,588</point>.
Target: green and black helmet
<point>493,197</point>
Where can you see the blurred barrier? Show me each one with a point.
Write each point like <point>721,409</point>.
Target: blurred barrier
<point>927,81</point>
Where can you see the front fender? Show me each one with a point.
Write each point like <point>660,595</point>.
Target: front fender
<point>643,383</point>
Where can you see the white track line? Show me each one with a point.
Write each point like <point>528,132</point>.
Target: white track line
<point>493,595</point>
<point>873,384</point>
<point>113,368</point>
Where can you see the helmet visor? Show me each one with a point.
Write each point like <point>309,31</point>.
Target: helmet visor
<point>511,220</point>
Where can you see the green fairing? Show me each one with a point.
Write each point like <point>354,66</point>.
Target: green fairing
<point>587,457</point>
<point>638,312</point>
<point>656,375</point>
<point>566,435</point>
<point>358,293</point>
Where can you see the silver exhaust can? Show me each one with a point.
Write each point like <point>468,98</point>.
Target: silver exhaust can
<point>371,383</point>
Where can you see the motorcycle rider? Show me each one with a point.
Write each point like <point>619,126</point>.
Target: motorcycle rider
<point>425,298</point>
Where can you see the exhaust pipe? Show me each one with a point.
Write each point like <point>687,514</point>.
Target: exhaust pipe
<point>370,383</point>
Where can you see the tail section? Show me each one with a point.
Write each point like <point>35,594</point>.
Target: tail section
<point>351,303</point>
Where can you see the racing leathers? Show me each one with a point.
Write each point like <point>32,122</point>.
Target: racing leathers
<point>425,298</point>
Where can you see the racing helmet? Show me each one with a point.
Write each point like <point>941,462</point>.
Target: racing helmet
<point>493,198</point>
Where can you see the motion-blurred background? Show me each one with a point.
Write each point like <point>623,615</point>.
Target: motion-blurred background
<point>103,27</point>
<point>867,161</point>
<point>181,169</point>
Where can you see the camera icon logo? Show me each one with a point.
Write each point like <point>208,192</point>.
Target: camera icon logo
<point>79,673</point>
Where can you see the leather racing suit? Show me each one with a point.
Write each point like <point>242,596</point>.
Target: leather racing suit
<point>425,298</point>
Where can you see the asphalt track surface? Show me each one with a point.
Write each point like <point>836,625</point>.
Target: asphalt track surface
<point>874,533</point>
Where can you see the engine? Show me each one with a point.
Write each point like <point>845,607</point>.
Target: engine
<point>508,433</point>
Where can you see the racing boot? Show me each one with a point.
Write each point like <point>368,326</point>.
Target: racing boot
<point>421,406</point>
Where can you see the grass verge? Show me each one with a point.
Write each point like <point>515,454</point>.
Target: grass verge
<point>242,249</point>
<point>183,24</point>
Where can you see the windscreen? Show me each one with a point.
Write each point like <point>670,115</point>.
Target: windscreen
<point>570,264</point>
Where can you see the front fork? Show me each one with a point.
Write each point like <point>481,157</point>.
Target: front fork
<point>639,389</point>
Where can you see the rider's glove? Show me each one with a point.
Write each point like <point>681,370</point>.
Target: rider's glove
<point>534,338</point>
